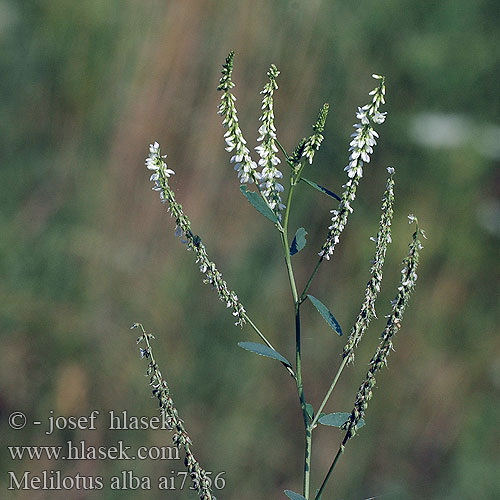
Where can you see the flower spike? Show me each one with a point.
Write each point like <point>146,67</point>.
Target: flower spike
<point>244,165</point>
<point>379,359</point>
<point>367,312</point>
<point>361,147</point>
<point>193,242</point>
<point>269,161</point>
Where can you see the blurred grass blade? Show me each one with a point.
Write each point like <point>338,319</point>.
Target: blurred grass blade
<point>263,350</point>
<point>320,188</point>
<point>259,204</point>
<point>299,241</point>
<point>327,315</point>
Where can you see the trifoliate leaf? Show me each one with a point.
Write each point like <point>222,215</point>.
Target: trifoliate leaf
<point>294,496</point>
<point>299,241</point>
<point>264,350</point>
<point>338,420</point>
<point>320,188</point>
<point>327,315</point>
<point>259,204</point>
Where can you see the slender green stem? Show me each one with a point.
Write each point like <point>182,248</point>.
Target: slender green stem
<point>284,238</point>
<point>298,356</point>
<point>302,399</point>
<point>294,180</point>
<point>282,150</point>
<point>329,393</point>
<point>303,295</point>
<point>330,470</point>
<point>284,233</point>
<point>289,268</point>
<point>259,333</point>
<point>307,463</point>
<point>262,336</point>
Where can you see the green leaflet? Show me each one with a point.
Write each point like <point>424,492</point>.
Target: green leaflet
<point>299,241</point>
<point>327,315</point>
<point>338,420</point>
<point>310,411</point>
<point>320,188</point>
<point>259,204</point>
<point>263,350</point>
<point>294,496</point>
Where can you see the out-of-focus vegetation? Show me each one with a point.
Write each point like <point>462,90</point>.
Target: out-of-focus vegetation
<point>86,248</point>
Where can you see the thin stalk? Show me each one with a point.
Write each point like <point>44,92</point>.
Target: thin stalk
<point>329,393</point>
<point>302,399</point>
<point>291,278</point>
<point>307,463</point>
<point>284,234</point>
<point>282,150</point>
<point>259,333</point>
<point>262,336</point>
<point>330,470</point>
<point>298,361</point>
<point>303,295</point>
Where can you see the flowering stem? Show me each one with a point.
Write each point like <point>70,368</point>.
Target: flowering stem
<point>346,437</point>
<point>181,439</point>
<point>367,311</point>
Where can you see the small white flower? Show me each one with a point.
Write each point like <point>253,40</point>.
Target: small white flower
<point>167,172</point>
<point>154,149</point>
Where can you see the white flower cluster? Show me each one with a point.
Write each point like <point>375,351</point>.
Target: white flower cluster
<point>361,147</point>
<point>183,229</point>
<point>311,146</point>
<point>155,161</point>
<point>244,165</point>
<point>267,150</point>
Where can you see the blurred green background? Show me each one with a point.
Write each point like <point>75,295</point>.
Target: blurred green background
<point>86,248</point>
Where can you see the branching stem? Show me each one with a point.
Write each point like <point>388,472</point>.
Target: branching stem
<point>294,179</point>
<point>303,295</point>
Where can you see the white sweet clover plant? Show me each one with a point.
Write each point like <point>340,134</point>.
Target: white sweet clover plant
<point>273,201</point>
